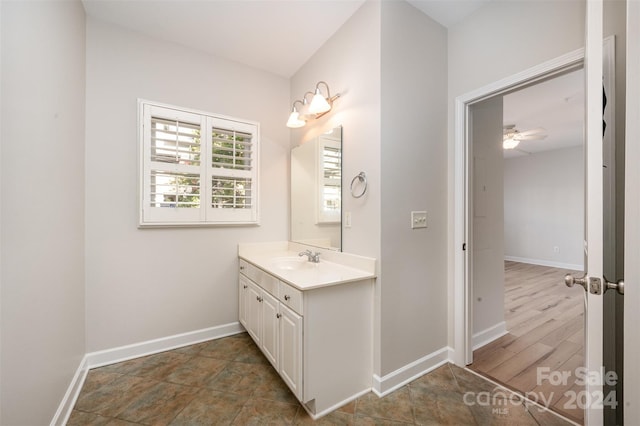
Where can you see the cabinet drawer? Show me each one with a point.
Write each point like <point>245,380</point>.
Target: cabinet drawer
<point>291,297</point>
<point>243,266</point>
<point>258,276</point>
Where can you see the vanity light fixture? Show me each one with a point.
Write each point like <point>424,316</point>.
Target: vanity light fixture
<point>319,103</point>
<point>294,121</point>
<point>305,114</point>
<point>319,106</point>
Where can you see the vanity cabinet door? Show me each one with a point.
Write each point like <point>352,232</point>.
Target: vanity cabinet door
<point>253,312</point>
<point>290,324</point>
<point>243,299</point>
<point>270,317</point>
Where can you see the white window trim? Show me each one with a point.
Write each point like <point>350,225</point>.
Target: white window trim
<point>205,215</point>
<point>323,216</point>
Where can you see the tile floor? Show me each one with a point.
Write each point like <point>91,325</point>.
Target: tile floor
<point>229,382</point>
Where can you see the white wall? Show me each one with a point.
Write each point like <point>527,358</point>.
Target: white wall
<point>413,160</point>
<point>389,61</point>
<point>350,63</point>
<point>42,175</point>
<point>496,42</point>
<point>543,208</point>
<point>144,284</point>
<point>1,275</point>
<point>487,244</point>
<point>357,78</point>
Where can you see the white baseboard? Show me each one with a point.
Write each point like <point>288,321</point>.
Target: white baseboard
<point>136,350</point>
<point>453,357</point>
<point>336,406</point>
<point>488,335</point>
<point>572,266</point>
<point>385,385</point>
<point>71,396</point>
<point>124,353</point>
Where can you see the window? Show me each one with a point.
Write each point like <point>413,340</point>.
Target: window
<point>197,168</point>
<point>330,180</point>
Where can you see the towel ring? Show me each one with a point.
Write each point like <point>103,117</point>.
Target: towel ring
<point>362,178</point>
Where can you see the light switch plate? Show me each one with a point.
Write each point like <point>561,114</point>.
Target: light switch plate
<point>418,219</point>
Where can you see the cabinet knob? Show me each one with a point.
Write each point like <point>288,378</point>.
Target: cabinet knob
<point>245,286</point>
<point>287,297</point>
<point>258,299</point>
<point>242,268</point>
<point>278,316</point>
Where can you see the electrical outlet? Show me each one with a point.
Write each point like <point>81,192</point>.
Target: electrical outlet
<point>418,219</point>
<point>347,219</point>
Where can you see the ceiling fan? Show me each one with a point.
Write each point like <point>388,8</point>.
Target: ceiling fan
<point>511,136</point>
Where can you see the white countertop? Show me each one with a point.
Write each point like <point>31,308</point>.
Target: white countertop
<point>336,268</point>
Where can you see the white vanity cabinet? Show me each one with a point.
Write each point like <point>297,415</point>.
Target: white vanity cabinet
<point>318,338</point>
<point>290,334</point>
<point>274,327</point>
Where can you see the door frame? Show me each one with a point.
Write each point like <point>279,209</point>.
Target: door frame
<point>461,353</point>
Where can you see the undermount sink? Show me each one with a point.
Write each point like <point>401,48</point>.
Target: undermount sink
<point>291,263</point>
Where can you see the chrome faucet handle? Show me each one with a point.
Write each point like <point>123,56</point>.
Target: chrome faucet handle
<point>313,257</point>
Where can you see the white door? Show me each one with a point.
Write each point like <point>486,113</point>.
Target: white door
<point>593,214</point>
<point>243,289</point>
<point>253,312</point>
<point>291,349</point>
<point>270,317</point>
<point>632,223</point>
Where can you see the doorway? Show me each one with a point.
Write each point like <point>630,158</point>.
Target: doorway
<point>526,324</point>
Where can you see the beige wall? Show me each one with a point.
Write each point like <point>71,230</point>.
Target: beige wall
<point>144,284</point>
<point>42,175</point>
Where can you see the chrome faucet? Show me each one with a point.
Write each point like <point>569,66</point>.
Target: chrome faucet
<point>313,257</point>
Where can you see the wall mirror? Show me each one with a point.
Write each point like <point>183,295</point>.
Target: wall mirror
<point>316,191</point>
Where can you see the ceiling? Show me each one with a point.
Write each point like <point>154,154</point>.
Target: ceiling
<point>278,36</point>
<point>557,105</point>
<point>448,12</point>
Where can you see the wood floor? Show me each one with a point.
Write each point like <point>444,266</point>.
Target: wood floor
<point>545,323</point>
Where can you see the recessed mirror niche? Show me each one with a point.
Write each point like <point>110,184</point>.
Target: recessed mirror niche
<point>316,191</point>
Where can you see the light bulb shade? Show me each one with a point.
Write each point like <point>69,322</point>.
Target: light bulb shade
<point>294,121</point>
<point>305,114</point>
<point>510,143</point>
<point>319,104</point>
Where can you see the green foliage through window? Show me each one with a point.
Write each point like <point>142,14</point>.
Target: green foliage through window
<point>197,168</point>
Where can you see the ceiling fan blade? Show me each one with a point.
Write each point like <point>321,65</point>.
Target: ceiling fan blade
<point>533,131</point>
<point>522,151</point>
<point>530,137</point>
